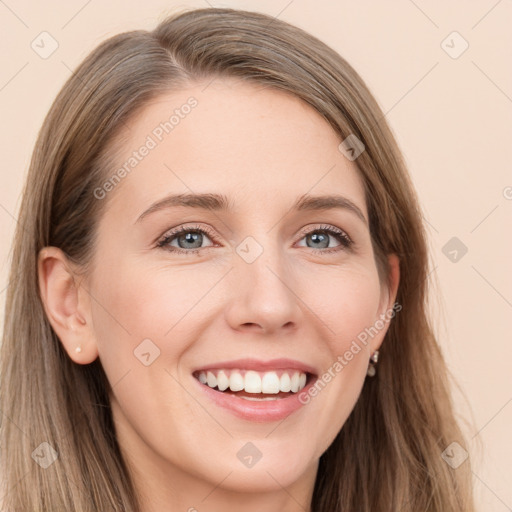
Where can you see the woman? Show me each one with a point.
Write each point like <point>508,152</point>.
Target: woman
<point>218,289</point>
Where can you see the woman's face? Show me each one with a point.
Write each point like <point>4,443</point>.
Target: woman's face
<point>255,286</point>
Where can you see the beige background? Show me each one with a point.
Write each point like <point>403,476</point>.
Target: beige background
<point>452,118</point>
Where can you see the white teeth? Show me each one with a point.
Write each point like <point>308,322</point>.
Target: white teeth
<point>222,381</point>
<point>211,380</point>
<point>236,382</point>
<point>254,382</point>
<point>270,383</point>
<point>285,382</point>
<point>295,382</point>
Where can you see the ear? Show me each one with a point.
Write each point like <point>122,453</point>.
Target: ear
<point>67,305</point>
<point>388,296</point>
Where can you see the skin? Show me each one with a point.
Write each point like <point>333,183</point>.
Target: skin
<point>263,149</point>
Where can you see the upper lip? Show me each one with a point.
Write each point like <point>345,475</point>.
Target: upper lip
<point>260,365</point>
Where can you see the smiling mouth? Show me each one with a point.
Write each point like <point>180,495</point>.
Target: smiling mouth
<point>255,385</point>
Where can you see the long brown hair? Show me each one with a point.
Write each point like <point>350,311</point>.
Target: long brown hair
<point>387,457</point>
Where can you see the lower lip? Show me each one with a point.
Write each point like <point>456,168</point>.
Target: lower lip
<point>261,411</point>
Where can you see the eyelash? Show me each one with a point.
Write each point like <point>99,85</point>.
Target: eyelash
<point>343,238</point>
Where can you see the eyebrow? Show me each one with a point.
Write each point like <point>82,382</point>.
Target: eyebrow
<point>219,202</point>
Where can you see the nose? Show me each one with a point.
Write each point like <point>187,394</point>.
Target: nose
<point>264,294</point>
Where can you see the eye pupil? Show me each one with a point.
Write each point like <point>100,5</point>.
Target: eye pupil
<point>318,238</point>
<point>192,237</point>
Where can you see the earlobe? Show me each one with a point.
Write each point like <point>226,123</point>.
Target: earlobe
<point>66,308</point>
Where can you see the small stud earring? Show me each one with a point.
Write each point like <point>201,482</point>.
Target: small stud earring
<point>373,361</point>
<point>78,349</point>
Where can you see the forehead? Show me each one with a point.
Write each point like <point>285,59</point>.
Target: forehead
<point>253,144</point>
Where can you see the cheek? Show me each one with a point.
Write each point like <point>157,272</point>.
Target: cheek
<point>134,310</point>
<point>155,309</point>
<point>144,302</point>
<point>346,301</point>
<point>131,313</point>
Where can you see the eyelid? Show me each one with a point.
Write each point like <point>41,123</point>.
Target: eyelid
<point>171,233</point>
<point>324,227</point>
<point>306,230</point>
